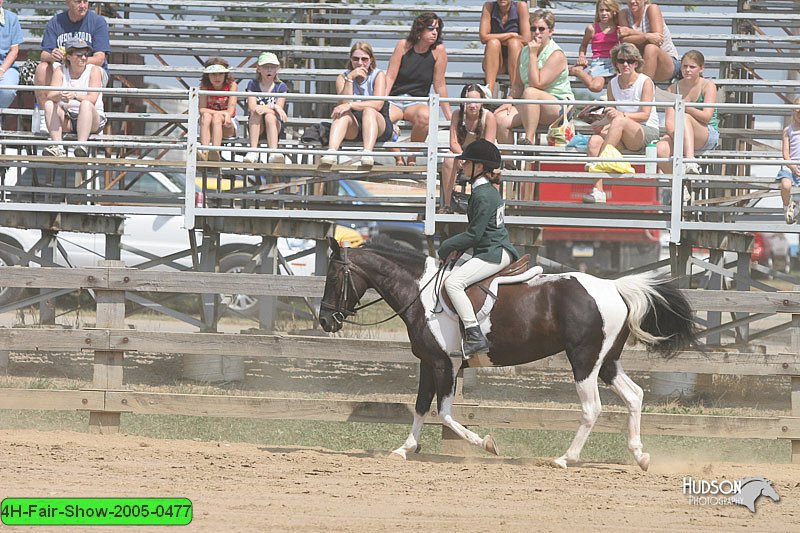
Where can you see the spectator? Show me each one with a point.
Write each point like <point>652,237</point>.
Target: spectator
<point>10,39</point>
<point>700,124</point>
<point>642,24</point>
<point>603,35</point>
<point>70,107</point>
<point>632,126</point>
<point>359,120</point>
<point>77,21</point>
<point>790,174</point>
<point>418,61</point>
<point>471,121</point>
<point>543,75</point>
<point>504,29</point>
<point>218,112</point>
<point>266,111</point>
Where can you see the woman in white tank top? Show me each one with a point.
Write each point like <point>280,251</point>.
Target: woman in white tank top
<point>70,107</point>
<point>631,126</point>
<point>642,24</point>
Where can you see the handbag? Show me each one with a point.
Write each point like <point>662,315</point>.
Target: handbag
<point>592,113</point>
<point>561,130</point>
<point>459,201</point>
<point>317,134</point>
<point>27,72</point>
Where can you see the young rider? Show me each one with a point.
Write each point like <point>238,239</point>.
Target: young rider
<point>486,234</point>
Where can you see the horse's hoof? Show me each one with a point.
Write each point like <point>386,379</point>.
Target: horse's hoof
<point>418,448</point>
<point>490,445</point>
<point>644,461</point>
<point>399,453</point>
<point>560,462</point>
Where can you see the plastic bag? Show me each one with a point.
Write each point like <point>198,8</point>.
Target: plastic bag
<point>579,142</point>
<point>614,167</point>
<point>561,130</point>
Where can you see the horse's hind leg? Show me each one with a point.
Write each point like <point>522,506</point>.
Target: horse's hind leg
<point>632,394</point>
<point>590,409</point>
<point>425,391</point>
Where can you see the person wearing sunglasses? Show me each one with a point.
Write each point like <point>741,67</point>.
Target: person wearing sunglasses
<point>631,126</point>
<point>543,75</point>
<point>642,24</point>
<point>504,30</point>
<point>418,62</point>
<point>69,106</point>
<point>367,120</point>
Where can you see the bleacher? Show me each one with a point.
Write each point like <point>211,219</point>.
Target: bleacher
<point>167,43</point>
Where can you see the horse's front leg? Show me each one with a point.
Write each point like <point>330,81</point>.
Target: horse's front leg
<point>425,392</point>
<point>446,389</point>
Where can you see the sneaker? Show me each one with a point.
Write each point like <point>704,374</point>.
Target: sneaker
<point>596,197</point>
<point>790,213</point>
<point>80,151</point>
<point>251,157</point>
<point>326,162</point>
<point>692,168</point>
<point>277,157</point>
<point>43,125</point>
<point>55,150</point>
<point>367,162</point>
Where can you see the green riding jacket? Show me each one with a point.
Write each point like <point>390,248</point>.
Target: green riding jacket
<point>486,233</point>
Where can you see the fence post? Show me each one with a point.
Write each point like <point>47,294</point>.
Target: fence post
<point>795,344</point>
<point>108,363</point>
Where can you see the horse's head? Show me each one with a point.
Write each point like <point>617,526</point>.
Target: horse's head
<point>342,291</point>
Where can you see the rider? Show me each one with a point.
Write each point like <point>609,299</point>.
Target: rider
<point>486,235</point>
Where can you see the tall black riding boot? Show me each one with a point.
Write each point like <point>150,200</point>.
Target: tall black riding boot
<point>474,342</point>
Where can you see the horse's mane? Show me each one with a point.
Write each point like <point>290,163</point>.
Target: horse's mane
<point>407,258</point>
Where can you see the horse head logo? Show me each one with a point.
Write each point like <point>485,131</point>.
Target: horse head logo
<point>753,488</point>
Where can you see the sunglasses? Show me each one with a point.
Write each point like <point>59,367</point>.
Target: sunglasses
<point>80,54</point>
<point>357,59</point>
<point>540,29</point>
<point>627,61</point>
<point>432,28</point>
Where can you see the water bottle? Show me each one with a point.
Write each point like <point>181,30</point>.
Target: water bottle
<point>36,118</point>
<point>650,167</point>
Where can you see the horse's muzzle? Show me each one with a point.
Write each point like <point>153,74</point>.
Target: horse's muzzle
<point>331,322</point>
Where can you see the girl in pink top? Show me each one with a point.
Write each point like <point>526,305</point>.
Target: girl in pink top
<point>603,36</point>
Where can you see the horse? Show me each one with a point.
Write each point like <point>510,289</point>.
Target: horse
<point>587,317</point>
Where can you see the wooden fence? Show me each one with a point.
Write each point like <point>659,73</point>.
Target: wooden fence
<point>110,340</point>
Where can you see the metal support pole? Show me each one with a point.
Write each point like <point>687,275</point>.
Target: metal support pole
<point>676,213</point>
<point>432,160</point>
<point>208,263</point>
<point>189,200</point>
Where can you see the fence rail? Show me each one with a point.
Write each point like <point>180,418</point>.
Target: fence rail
<point>107,399</point>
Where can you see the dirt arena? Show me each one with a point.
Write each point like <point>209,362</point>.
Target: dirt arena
<point>244,487</point>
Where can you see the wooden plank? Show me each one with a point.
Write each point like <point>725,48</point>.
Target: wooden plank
<point>212,283</point>
<point>52,400</point>
<point>54,278</point>
<point>52,340</point>
<point>486,416</point>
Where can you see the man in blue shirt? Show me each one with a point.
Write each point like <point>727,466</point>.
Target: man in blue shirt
<point>77,21</point>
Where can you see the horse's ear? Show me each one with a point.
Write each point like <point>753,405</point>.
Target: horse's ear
<point>334,246</point>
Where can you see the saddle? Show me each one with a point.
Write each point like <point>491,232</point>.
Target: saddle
<point>478,292</point>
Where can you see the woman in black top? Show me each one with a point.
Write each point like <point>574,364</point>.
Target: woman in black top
<point>418,61</point>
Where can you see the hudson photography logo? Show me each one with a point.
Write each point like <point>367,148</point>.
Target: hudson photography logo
<point>743,491</point>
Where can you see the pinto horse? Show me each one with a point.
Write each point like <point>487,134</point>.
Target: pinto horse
<point>587,317</point>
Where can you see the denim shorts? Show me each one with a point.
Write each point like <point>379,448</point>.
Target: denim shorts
<point>600,67</point>
<point>404,104</point>
<point>789,175</point>
<point>676,69</point>
<point>712,142</point>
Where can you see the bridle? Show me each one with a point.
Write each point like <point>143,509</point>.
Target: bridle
<point>340,313</point>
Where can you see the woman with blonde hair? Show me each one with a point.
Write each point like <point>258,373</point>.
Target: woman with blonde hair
<point>632,125</point>
<point>642,24</point>
<point>359,119</point>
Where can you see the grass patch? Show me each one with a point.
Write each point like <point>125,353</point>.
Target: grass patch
<point>343,436</point>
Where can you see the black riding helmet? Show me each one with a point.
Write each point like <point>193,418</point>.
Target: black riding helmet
<point>482,151</point>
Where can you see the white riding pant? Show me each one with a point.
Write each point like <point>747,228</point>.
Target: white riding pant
<point>471,272</point>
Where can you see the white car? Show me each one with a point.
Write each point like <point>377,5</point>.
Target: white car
<point>160,236</point>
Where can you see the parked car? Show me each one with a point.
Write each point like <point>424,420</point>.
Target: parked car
<point>162,235</point>
<point>772,251</point>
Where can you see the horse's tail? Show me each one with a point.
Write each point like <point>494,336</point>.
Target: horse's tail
<point>659,315</point>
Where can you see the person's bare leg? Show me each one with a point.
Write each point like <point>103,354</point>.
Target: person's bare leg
<point>419,117</point>
<point>492,58</point>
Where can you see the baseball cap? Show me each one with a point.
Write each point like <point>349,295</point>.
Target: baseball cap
<point>76,43</point>
<point>268,58</point>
